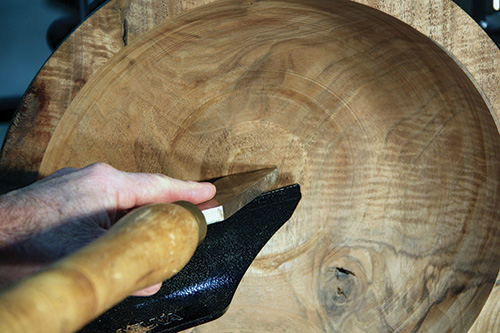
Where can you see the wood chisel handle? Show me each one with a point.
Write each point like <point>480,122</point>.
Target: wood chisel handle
<point>147,246</point>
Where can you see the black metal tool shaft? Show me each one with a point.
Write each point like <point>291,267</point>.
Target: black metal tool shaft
<point>203,290</point>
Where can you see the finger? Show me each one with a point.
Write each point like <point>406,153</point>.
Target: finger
<point>195,192</point>
<point>120,190</point>
<point>142,189</point>
<point>151,290</point>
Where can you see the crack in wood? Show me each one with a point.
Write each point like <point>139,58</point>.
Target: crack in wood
<point>125,32</point>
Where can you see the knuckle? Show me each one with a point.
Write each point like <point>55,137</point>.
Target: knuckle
<point>100,168</point>
<point>100,177</point>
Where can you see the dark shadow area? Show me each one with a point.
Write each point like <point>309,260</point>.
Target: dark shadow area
<point>485,14</point>
<point>14,179</point>
<point>8,107</point>
<point>78,10</point>
<point>37,245</point>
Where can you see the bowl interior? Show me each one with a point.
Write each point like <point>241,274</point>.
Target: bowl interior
<point>394,148</point>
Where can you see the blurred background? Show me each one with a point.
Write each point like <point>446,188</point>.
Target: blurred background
<point>31,29</point>
<point>29,32</point>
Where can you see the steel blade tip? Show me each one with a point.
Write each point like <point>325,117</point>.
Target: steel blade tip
<point>235,191</point>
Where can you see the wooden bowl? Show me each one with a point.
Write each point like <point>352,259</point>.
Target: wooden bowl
<point>394,147</point>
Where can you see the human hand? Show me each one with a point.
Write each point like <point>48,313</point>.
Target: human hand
<point>59,214</point>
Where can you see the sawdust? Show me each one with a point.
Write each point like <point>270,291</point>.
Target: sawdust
<point>136,328</point>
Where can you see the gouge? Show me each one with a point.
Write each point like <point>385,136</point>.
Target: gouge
<point>148,245</point>
<point>202,291</point>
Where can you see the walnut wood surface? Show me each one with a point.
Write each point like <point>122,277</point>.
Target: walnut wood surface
<point>395,150</point>
<point>120,22</point>
<point>145,247</point>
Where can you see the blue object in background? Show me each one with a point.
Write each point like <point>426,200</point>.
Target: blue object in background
<point>24,49</point>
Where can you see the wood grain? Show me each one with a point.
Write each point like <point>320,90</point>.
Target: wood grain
<point>395,150</point>
<point>102,35</point>
<point>145,247</point>
<point>66,72</point>
<point>120,21</point>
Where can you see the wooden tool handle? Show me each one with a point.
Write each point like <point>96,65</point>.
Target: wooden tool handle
<point>146,246</point>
